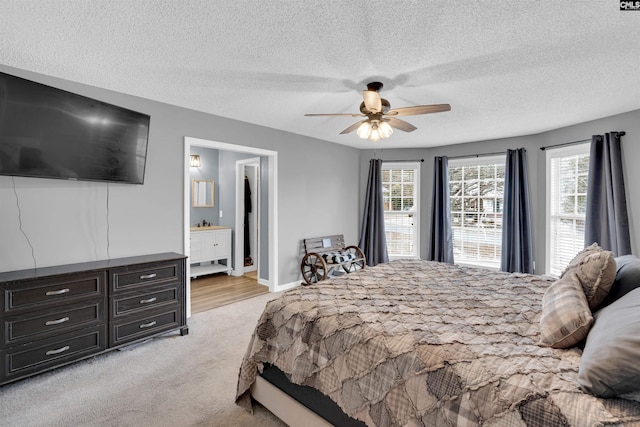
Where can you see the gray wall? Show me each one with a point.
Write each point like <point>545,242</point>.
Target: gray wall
<point>320,188</point>
<point>66,222</point>
<point>628,122</point>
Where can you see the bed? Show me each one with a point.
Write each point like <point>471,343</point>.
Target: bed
<point>420,343</point>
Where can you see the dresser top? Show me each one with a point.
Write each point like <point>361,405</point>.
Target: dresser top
<point>35,273</point>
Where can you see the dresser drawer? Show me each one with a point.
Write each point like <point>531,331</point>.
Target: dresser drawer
<point>145,275</point>
<point>50,292</point>
<point>137,302</point>
<point>45,323</point>
<point>138,327</point>
<point>25,360</point>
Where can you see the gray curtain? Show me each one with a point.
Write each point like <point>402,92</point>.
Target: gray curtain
<point>606,218</point>
<point>517,236</point>
<point>441,243</point>
<point>373,240</point>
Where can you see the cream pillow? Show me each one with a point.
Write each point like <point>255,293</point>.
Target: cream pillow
<point>596,271</point>
<point>566,318</point>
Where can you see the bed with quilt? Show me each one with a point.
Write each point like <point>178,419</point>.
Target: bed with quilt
<point>420,343</point>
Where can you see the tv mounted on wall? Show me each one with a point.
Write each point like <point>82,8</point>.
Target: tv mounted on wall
<point>47,132</point>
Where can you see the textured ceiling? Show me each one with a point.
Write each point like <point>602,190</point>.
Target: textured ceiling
<point>507,68</point>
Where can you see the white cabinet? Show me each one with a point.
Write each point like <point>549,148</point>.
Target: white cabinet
<point>208,246</point>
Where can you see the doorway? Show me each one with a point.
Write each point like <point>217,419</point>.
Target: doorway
<point>265,248</point>
<point>248,218</point>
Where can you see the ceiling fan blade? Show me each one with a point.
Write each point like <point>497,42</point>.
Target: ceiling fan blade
<point>372,101</point>
<point>399,124</point>
<point>419,109</point>
<point>353,127</point>
<point>336,115</point>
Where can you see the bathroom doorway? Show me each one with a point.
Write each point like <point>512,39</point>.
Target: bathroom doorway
<point>248,207</point>
<point>265,246</point>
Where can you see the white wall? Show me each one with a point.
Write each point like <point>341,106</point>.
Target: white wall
<point>628,122</point>
<point>66,221</point>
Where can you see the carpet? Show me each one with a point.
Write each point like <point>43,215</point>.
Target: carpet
<point>171,380</point>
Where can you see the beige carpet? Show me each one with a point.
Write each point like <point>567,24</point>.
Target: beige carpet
<point>168,381</point>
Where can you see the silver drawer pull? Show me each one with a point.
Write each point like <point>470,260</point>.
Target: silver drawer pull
<point>147,325</point>
<point>58,292</point>
<point>148,276</point>
<point>56,322</point>
<point>58,351</point>
<point>147,301</point>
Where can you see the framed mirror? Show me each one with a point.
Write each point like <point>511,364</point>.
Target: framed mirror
<point>202,193</point>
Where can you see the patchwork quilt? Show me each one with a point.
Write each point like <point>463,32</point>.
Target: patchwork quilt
<point>419,343</point>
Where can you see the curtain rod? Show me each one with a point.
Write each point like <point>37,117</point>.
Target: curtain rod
<point>468,156</point>
<point>623,133</point>
<point>403,161</point>
<point>565,144</point>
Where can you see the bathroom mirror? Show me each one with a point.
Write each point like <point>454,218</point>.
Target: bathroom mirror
<point>202,193</point>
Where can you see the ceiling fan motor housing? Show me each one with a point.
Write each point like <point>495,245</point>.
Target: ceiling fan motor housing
<point>374,86</point>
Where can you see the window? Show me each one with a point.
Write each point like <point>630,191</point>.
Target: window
<point>401,208</point>
<point>477,193</point>
<point>567,174</point>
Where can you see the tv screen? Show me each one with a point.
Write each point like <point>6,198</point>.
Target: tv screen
<point>47,132</point>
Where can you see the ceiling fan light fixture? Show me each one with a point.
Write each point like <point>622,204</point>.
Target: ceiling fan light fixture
<point>374,130</point>
<point>364,130</point>
<point>377,125</point>
<point>385,130</point>
<point>375,135</point>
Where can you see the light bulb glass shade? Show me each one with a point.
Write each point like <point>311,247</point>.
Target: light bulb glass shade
<point>375,135</point>
<point>364,130</point>
<point>385,130</point>
<point>194,161</point>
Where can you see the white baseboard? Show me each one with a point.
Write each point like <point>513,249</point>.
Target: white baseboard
<point>286,286</point>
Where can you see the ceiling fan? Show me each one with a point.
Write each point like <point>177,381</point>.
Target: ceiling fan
<point>380,119</point>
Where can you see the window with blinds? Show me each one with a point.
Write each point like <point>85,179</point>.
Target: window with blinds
<point>567,174</point>
<point>401,216</point>
<point>477,194</point>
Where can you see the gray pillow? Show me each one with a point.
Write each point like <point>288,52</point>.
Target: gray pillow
<point>627,278</point>
<point>610,361</point>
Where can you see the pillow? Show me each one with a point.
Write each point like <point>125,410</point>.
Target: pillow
<point>627,278</point>
<point>566,317</point>
<point>596,270</point>
<point>337,257</point>
<point>609,366</point>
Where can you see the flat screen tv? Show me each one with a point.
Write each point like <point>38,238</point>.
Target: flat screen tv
<point>47,132</point>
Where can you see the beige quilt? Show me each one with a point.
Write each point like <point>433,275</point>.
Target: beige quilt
<point>418,343</point>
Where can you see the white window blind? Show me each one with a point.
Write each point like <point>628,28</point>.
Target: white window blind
<point>567,174</point>
<point>401,216</point>
<point>477,194</point>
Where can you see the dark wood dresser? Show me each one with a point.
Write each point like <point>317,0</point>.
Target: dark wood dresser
<point>53,316</point>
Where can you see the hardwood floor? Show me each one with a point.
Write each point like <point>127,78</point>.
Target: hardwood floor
<point>220,289</point>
